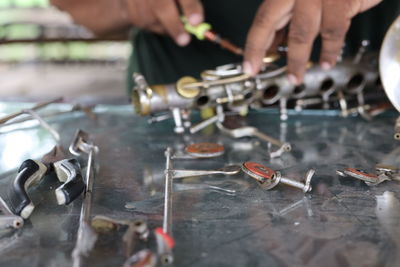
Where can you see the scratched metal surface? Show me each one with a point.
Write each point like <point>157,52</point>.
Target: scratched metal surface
<point>341,223</point>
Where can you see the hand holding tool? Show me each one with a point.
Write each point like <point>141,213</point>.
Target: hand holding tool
<point>204,31</point>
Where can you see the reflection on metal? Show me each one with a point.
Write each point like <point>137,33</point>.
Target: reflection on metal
<point>389,63</point>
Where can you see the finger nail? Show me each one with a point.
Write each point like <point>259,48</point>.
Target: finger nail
<point>326,65</point>
<point>183,39</point>
<point>293,79</point>
<point>247,68</point>
<point>195,19</point>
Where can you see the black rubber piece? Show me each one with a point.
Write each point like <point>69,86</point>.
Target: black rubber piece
<point>74,185</point>
<point>17,195</point>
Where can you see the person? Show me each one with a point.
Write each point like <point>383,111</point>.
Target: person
<point>163,52</point>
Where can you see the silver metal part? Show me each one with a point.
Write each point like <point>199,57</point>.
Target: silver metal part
<point>219,118</point>
<point>306,186</point>
<point>86,237</point>
<point>185,186</point>
<point>389,63</point>
<point>254,132</point>
<point>167,221</point>
<point>227,170</point>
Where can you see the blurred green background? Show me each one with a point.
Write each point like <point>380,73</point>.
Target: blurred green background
<point>24,22</point>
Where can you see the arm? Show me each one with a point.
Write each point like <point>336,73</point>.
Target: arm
<point>113,16</point>
<point>100,16</point>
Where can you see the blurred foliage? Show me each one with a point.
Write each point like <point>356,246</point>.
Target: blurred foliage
<point>11,29</point>
<point>24,3</point>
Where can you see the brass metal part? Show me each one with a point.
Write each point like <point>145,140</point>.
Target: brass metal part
<point>271,58</point>
<point>184,91</point>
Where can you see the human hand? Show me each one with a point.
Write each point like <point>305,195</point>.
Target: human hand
<point>163,16</point>
<point>308,18</point>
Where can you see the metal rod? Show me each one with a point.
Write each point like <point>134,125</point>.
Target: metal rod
<point>84,230</point>
<point>36,107</point>
<point>44,124</point>
<point>167,222</point>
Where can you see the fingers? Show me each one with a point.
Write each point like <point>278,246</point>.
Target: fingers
<point>367,4</point>
<point>272,16</point>
<point>193,10</point>
<point>335,24</point>
<point>168,14</point>
<point>304,28</point>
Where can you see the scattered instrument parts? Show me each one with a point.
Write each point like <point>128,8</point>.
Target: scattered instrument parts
<point>204,31</point>
<point>368,178</point>
<point>69,173</point>
<point>137,230</point>
<point>86,237</point>
<point>269,178</point>
<point>254,132</point>
<point>201,151</point>
<point>31,172</point>
<point>9,220</point>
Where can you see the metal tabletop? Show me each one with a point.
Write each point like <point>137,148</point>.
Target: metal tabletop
<point>342,222</point>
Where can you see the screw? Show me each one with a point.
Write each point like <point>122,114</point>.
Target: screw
<point>306,187</point>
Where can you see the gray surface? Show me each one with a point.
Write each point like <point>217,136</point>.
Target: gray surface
<point>341,223</point>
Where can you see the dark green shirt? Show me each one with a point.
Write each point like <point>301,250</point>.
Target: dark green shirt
<point>161,61</point>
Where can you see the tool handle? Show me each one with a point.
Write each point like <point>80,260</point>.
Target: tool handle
<point>69,172</point>
<point>29,173</point>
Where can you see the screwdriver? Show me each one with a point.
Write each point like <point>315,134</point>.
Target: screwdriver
<point>204,31</point>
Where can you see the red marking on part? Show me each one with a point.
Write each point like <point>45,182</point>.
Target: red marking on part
<point>355,171</point>
<point>167,238</point>
<point>259,169</point>
<point>205,148</point>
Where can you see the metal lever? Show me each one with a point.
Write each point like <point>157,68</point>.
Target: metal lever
<point>29,173</point>
<point>69,172</point>
<point>227,170</point>
<point>219,118</point>
<point>252,131</point>
<point>36,107</point>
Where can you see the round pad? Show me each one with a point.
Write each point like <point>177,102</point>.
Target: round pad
<point>258,171</point>
<point>205,150</point>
